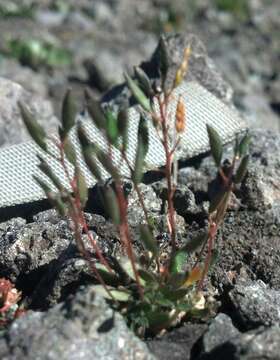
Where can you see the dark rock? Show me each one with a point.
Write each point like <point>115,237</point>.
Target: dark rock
<point>254,304</point>
<point>25,248</point>
<point>178,344</point>
<point>83,327</point>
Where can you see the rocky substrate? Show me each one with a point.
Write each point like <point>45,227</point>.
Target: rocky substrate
<point>67,320</point>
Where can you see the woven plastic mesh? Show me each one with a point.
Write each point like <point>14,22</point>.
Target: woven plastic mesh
<point>18,163</point>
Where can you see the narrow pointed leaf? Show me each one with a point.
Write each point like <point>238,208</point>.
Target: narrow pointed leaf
<point>142,149</point>
<point>215,145</point>
<point>112,205</point>
<point>138,93</point>
<point>144,81</point>
<point>119,295</point>
<point>46,169</point>
<point>242,170</point>
<point>244,144</point>
<point>148,239</point>
<point>34,129</point>
<point>68,115</point>
<point>111,127</point>
<point>95,110</point>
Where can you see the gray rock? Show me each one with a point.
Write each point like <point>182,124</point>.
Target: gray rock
<point>83,327</point>
<point>255,304</point>
<point>223,341</point>
<point>12,130</point>
<point>28,247</point>
<point>220,331</point>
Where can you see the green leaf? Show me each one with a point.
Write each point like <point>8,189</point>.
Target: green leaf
<point>46,169</point>
<point>147,276</point>
<point>34,129</point>
<point>69,150</point>
<point>244,144</point>
<point>158,320</point>
<point>144,81</point>
<point>112,205</point>
<point>148,239</point>
<point>242,170</point>
<point>82,186</point>
<point>142,149</point>
<point>68,115</point>
<point>138,93</point>
<point>111,127</point>
<point>175,295</point>
<point>119,295</point>
<point>193,244</point>
<point>122,124</point>
<point>215,145</point>
<point>95,110</point>
<point>178,262</point>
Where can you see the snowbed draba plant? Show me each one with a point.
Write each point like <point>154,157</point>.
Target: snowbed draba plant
<point>154,294</point>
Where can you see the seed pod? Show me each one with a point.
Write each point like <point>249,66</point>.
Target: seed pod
<point>183,68</point>
<point>180,116</point>
<point>68,115</point>
<point>163,60</point>
<point>95,110</point>
<point>112,205</point>
<point>122,124</point>
<point>69,150</point>
<point>82,186</point>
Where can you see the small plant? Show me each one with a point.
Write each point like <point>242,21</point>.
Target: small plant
<point>9,297</point>
<point>239,8</point>
<point>153,293</point>
<point>36,53</point>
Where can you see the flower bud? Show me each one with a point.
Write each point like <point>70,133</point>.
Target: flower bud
<point>180,116</point>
